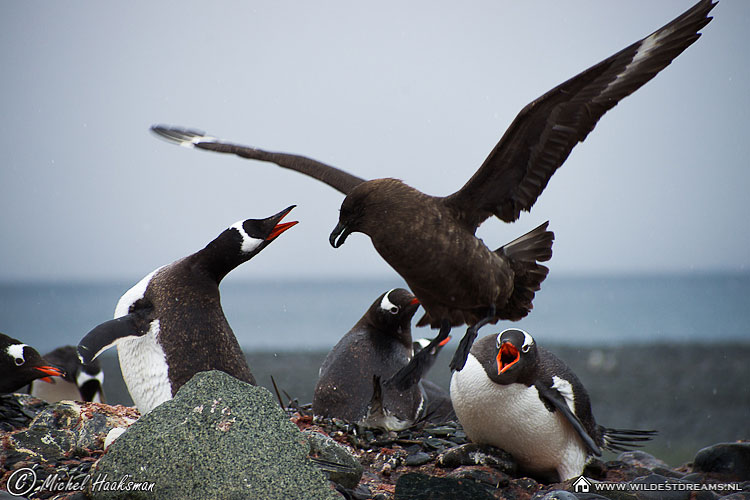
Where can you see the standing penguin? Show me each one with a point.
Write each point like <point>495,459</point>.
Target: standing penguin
<point>20,364</point>
<point>81,382</point>
<point>523,399</point>
<point>375,348</point>
<point>170,325</point>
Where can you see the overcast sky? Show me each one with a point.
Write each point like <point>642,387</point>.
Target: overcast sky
<point>417,90</point>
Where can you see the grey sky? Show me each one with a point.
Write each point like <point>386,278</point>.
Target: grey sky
<point>416,90</point>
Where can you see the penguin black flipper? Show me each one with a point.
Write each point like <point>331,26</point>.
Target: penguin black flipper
<point>545,131</point>
<point>334,177</point>
<point>557,400</point>
<point>104,336</point>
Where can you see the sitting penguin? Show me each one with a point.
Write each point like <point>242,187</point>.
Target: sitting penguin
<point>522,398</point>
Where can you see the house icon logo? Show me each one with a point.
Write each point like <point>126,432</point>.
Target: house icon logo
<point>581,485</point>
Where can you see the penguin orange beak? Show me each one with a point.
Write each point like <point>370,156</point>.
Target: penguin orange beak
<point>50,370</point>
<point>281,226</point>
<point>447,339</point>
<point>507,356</point>
<point>414,301</point>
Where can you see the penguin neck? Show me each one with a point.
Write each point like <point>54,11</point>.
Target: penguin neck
<point>221,256</point>
<point>401,334</point>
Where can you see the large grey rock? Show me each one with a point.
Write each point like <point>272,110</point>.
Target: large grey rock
<point>219,438</point>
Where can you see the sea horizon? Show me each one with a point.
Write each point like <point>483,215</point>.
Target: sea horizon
<point>313,313</point>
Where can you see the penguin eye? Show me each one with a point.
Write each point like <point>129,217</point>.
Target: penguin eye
<point>525,347</point>
<point>394,309</point>
<point>20,361</point>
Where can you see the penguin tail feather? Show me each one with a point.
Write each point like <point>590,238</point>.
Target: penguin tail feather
<point>625,439</point>
<point>525,254</point>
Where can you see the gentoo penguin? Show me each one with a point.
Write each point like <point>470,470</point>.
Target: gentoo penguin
<point>20,364</point>
<point>377,346</point>
<point>463,281</point>
<point>81,382</point>
<point>170,325</point>
<point>519,397</point>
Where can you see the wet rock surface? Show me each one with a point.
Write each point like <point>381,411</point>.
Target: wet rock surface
<point>428,461</point>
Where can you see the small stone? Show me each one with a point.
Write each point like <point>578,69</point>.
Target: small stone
<point>418,458</point>
<point>361,492</point>
<point>641,459</point>
<point>113,434</point>
<point>482,474</point>
<point>474,454</point>
<point>559,495</point>
<point>423,487</point>
<point>731,460</point>
<point>348,471</point>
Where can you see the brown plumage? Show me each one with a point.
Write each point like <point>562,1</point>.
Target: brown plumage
<point>430,240</point>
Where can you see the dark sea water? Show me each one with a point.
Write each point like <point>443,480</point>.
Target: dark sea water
<point>656,352</point>
<point>292,316</point>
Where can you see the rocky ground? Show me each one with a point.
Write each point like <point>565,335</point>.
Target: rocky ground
<point>427,462</point>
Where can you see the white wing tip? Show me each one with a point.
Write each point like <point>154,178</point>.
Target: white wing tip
<point>184,137</point>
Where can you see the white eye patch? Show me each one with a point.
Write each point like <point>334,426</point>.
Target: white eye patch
<point>528,341</point>
<point>15,351</point>
<point>248,242</point>
<point>387,305</point>
<point>132,296</point>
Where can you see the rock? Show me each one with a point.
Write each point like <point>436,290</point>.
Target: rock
<point>482,474</point>
<point>475,454</point>
<point>17,410</point>
<point>423,487</point>
<point>418,458</point>
<point>640,458</point>
<point>217,438</point>
<point>67,428</point>
<point>323,447</point>
<point>558,495</point>
<point>731,460</point>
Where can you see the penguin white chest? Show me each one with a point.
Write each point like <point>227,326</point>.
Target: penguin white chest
<point>145,370</point>
<point>513,418</point>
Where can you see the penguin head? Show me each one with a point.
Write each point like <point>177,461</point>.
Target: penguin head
<point>256,234</point>
<point>88,378</point>
<point>392,313</point>
<point>516,354</point>
<point>21,364</point>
